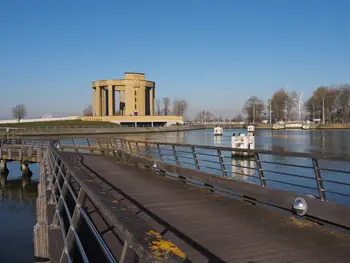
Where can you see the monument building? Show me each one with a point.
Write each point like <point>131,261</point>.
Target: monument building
<point>135,96</point>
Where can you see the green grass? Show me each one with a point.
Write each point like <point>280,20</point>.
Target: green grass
<point>66,123</point>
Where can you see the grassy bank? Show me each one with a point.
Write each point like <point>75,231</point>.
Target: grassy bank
<point>66,123</point>
<point>337,126</point>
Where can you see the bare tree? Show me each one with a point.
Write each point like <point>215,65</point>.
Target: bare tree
<point>204,116</point>
<point>158,106</point>
<point>179,107</point>
<point>88,111</point>
<point>344,102</point>
<point>281,105</point>
<point>166,104</point>
<point>175,110</point>
<point>183,107</point>
<point>253,108</point>
<point>19,112</point>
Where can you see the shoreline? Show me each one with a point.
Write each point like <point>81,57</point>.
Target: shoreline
<point>180,128</point>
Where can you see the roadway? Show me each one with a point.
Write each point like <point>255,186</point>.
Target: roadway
<point>210,227</point>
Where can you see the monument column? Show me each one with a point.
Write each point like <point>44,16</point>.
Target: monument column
<point>111,104</point>
<point>121,99</point>
<point>98,101</point>
<point>141,100</point>
<point>93,102</point>
<point>103,101</point>
<point>151,101</point>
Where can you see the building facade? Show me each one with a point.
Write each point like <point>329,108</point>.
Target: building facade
<point>135,96</point>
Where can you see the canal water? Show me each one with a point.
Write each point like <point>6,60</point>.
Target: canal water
<point>335,143</point>
<point>17,214</point>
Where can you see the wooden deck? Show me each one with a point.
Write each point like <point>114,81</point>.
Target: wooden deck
<point>209,227</point>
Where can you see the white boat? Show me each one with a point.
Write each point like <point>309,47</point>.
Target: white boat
<point>305,127</point>
<point>278,127</point>
<point>218,131</point>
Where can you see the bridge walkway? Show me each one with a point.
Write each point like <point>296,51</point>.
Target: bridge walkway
<point>210,227</point>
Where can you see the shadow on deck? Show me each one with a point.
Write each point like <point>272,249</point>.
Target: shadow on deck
<point>210,227</point>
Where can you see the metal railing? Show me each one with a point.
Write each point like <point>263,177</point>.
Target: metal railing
<point>75,201</point>
<point>312,174</point>
<point>325,177</point>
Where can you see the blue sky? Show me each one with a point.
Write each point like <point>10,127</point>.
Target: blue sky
<point>215,54</point>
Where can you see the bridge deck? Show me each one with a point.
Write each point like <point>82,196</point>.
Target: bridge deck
<point>213,228</point>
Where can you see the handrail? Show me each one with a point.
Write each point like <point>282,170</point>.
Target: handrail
<point>271,152</point>
<point>72,194</point>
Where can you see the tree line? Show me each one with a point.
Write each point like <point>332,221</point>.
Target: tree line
<point>164,107</point>
<point>328,103</point>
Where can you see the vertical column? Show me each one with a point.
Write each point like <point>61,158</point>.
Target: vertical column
<point>129,100</point>
<point>111,103</point>
<point>103,101</point>
<point>141,100</point>
<point>93,102</point>
<point>121,99</point>
<point>98,101</point>
<point>151,101</point>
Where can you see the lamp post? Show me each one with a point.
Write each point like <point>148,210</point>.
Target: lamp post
<point>323,121</point>
<point>270,115</point>
<point>254,112</point>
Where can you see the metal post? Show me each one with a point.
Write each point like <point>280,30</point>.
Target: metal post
<point>138,148</point>
<point>148,150</point>
<point>195,157</point>
<point>254,112</point>
<point>175,155</point>
<point>130,148</point>
<point>222,165</point>
<point>160,152</point>
<point>319,182</point>
<point>260,170</point>
<point>270,111</point>
<point>323,119</point>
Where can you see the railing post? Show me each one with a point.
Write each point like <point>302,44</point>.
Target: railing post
<point>130,148</point>
<point>260,170</point>
<point>148,150</point>
<point>319,182</point>
<point>138,148</point>
<point>175,155</point>
<point>160,152</point>
<point>222,165</point>
<point>195,157</point>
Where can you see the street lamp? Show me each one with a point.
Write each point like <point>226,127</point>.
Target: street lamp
<point>254,112</point>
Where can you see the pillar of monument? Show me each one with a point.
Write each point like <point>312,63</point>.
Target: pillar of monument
<point>129,100</point>
<point>98,101</point>
<point>151,101</point>
<point>121,99</point>
<point>111,102</point>
<point>103,102</point>
<point>141,100</point>
<point>93,102</point>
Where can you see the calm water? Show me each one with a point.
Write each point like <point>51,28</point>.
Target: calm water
<point>17,214</point>
<point>326,142</point>
<point>330,142</point>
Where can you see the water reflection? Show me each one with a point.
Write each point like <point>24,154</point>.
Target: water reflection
<point>242,169</point>
<point>218,140</point>
<point>17,213</point>
<point>328,142</point>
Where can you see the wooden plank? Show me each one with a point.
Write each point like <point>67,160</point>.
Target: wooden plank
<point>326,211</point>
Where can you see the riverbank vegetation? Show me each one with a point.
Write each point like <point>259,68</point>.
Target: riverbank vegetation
<point>64,123</point>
